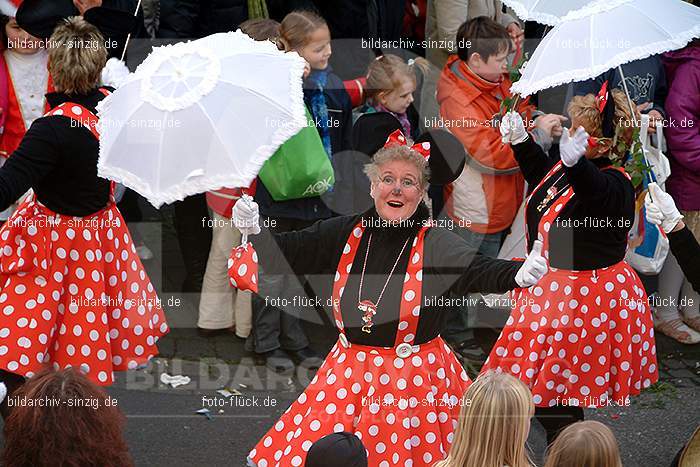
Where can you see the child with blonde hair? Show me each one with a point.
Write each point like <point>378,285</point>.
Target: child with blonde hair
<point>276,334</point>
<point>391,83</point>
<point>584,444</point>
<point>307,34</point>
<point>494,424</point>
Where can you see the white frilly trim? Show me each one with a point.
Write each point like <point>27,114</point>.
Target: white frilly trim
<point>552,20</point>
<point>194,186</point>
<point>173,54</point>
<point>525,14</point>
<point>593,8</point>
<point>527,88</point>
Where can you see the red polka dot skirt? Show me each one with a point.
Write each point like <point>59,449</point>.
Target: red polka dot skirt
<point>580,338</point>
<point>403,402</point>
<point>73,293</point>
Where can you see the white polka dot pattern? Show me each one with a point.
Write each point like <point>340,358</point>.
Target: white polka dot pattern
<point>51,302</point>
<point>366,396</point>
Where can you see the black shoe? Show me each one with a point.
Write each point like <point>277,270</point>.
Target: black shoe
<point>278,361</point>
<point>306,357</point>
<point>207,333</point>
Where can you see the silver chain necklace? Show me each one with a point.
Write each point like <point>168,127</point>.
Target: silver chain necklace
<point>367,307</point>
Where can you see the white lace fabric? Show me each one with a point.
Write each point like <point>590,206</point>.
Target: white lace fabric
<point>604,36</point>
<point>30,79</point>
<point>235,101</point>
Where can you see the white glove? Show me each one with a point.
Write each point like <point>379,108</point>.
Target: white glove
<point>246,216</point>
<point>114,73</point>
<point>513,129</point>
<point>571,148</point>
<point>534,267</point>
<point>660,208</point>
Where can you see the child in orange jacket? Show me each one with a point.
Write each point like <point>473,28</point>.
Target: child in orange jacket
<point>471,94</point>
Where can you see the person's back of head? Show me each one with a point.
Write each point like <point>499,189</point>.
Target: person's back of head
<point>61,418</point>
<point>261,29</point>
<point>584,444</point>
<point>494,424</point>
<point>77,55</point>
<point>343,449</point>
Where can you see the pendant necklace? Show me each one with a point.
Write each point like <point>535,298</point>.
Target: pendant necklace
<point>367,307</point>
<point>551,193</point>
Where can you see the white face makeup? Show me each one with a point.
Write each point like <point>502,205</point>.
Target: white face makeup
<point>397,192</point>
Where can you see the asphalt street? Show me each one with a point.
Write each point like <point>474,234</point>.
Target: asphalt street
<point>163,427</point>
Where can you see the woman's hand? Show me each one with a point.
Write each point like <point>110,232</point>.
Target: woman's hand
<point>534,267</point>
<point>245,216</point>
<point>516,34</point>
<point>114,73</point>
<point>572,148</point>
<point>551,124</point>
<point>661,210</point>
<point>513,129</point>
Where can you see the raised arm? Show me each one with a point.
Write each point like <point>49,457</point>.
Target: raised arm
<point>463,270</point>
<point>662,211</point>
<point>308,251</point>
<point>533,161</point>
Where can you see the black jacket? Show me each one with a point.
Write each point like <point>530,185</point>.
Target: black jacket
<point>686,249</point>
<point>449,266</point>
<point>59,161</point>
<point>591,231</point>
<point>192,19</point>
<point>353,19</point>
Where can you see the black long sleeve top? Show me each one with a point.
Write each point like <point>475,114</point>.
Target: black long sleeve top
<point>686,249</point>
<point>58,159</point>
<point>591,231</point>
<point>449,266</point>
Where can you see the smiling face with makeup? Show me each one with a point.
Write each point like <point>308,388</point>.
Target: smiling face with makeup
<point>397,189</point>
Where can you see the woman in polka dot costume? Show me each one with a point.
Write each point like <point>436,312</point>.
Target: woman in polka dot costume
<point>583,336</point>
<point>73,292</point>
<point>391,380</point>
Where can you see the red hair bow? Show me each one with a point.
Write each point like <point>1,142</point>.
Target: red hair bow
<point>397,138</point>
<point>602,97</point>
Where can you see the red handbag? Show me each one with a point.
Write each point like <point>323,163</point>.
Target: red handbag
<point>243,268</point>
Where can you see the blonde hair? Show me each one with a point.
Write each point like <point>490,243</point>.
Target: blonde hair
<point>387,72</point>
<point>493,424</point>
<point>296,29</point>
<point>77,55</point>
<point>585,110</point>
<point>398,153</point>
<point>584,444</point>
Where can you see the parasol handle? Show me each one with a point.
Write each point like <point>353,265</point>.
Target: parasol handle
<point>627,94</point>
<point>128,36</point>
